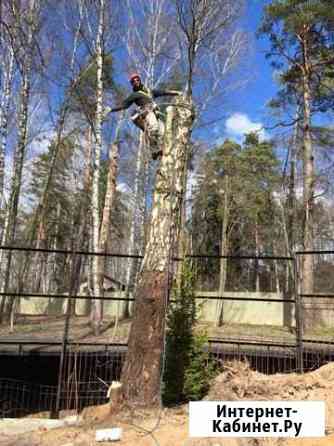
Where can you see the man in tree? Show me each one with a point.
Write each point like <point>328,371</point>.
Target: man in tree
<point>147,115</point>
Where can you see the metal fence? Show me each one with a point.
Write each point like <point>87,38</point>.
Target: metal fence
<point>252,308</point>
<point>85,380</point>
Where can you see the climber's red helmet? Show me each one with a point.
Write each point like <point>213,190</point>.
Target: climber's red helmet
<point>134,78</point>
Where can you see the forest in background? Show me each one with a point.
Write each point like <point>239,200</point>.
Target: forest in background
<point>73,177</point>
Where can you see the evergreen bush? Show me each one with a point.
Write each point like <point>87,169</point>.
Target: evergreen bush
<point>188,369</point>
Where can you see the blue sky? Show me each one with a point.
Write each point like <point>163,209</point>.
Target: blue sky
<point>247,107</point>
<point>262,87</point>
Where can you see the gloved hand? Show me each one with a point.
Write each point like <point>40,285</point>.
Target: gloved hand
<point>176,92</point>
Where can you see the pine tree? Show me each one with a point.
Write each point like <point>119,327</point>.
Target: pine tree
<point>302,44</point>
<point>233,201</point>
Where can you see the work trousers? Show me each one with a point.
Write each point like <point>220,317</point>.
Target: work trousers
<point>153,129</point>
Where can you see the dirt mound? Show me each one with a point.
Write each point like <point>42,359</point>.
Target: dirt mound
<point>238,382</point>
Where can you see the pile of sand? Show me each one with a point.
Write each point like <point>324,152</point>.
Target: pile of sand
<point>239,382</point>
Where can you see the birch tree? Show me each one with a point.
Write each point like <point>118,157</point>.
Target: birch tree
<point>109,203</point>
<point>7,69</point>
<point>152,51</point>
<point>141,373</point>
<point>210,43</point>
<point>96,314</point>
<point>87,101</point>
<point>62,144</point>
<point>23,31</point>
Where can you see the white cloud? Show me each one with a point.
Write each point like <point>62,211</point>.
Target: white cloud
<point>239,123</point>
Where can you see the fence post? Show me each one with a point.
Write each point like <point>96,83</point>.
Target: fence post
<point>298,315</point>
<point>55,413</point>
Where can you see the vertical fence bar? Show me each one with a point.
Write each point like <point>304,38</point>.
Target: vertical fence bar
<point>55,413</point>
<point>298,316</point>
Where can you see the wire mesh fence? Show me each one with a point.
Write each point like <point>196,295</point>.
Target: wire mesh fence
<point>265,358</point>
<point>20,398</point>
<point>45,288</point>
<point>247,297</point>
<point>252,308</point>
<point>85,379</point>
<point>316,292</point>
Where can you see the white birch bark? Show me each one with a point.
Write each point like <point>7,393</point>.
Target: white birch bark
<point>109,205</point>
<point>141,371</point>
<point>19,156</point>
<point>20,150</point>
<point>109,200</point>
<point>4,111</point>
<point>135,246</point>
<point>96,313</point>
<point>168,190</point>
<point>145,47</point>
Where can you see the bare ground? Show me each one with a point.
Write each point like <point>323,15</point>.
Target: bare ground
<point>51,328</point>
<point>170,426</point>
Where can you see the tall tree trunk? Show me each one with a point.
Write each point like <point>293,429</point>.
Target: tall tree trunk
<point>151,45</point>
<point>25,64</point>
<point>40,216</point>
<point>290,224</point>
<point>256,262</point>
<point>109,203</point>
<point>141,374</point>
<point>223,251</point>
<point>183,241</point>
<point>4,267</point>
<point>291,202</point>
<point>97,305</point>
<point>308,189</point>
<point>85,219</point>
<point>277,285</point>
<point>288,213</point>
<point>52,262</point>
<point>42,208</point>
<point>4,111</point>
<point>135,246</point>
<point>16,185</point>
<point>109,200</point>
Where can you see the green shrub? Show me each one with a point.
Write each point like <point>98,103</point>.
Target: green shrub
<point>188,369</point>
<point>200,370</point>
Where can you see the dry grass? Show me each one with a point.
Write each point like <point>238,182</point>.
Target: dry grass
<point>51,328</point>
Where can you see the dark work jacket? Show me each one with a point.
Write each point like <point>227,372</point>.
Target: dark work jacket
<point>142,98</point>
